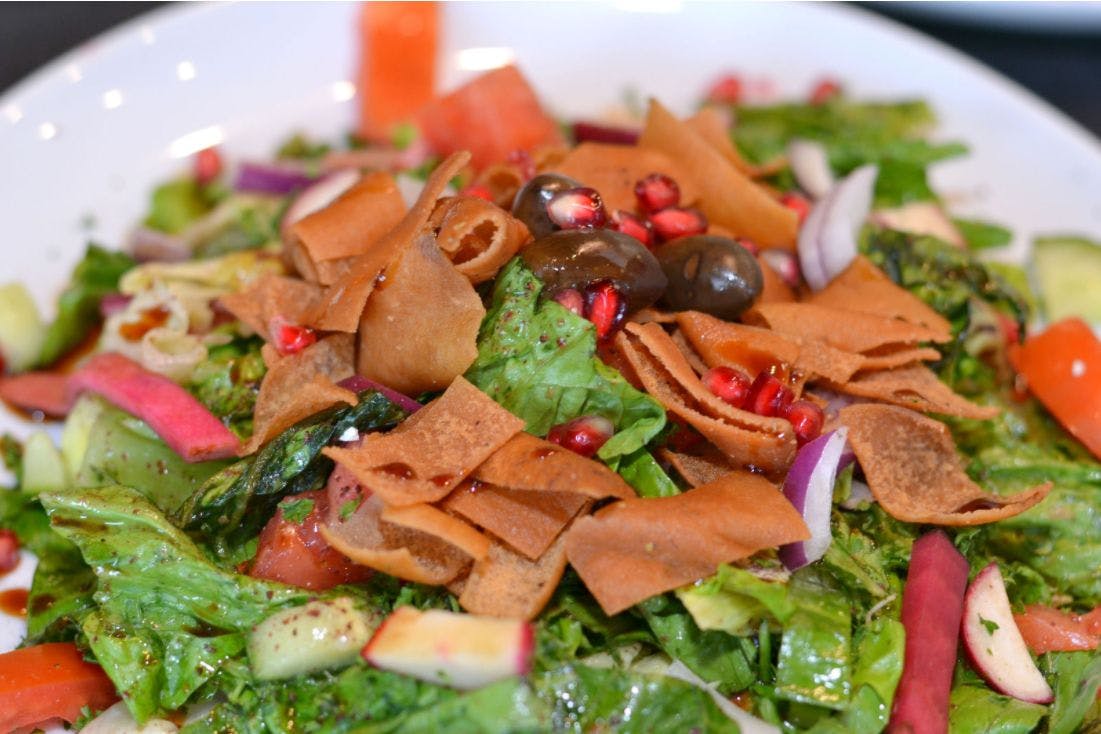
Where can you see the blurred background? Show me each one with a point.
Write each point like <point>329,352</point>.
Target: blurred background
<point>1052,48</point>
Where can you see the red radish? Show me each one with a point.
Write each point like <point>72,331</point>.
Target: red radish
<point>729,384</point>
<point>584,435</point>
<point>9,551</point>
<point>572,300</point>
<point>579,208</point>
<point>318,196</point>
<point>727,89</point>
<point>208,165</point>
<point>183,422</point>
<point>656,192</point>
<point>932,609</point>
<point>994,644</point>
<point>38,391</point>
<point>288,338</point>
<point>632,226</point>
<point>598,133</point>
<point>809,487</point>
<point>447,648</point>
<point>806,418</point>
<point>768,396</point>
<point>671,223</point>
<point>605,307</point>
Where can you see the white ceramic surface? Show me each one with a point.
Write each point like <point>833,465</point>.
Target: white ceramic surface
<point>83,140</point>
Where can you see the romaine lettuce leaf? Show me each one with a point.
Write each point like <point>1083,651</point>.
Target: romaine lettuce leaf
<point>815,663</point>
<point>975,709</point>
<point>1077,684</point>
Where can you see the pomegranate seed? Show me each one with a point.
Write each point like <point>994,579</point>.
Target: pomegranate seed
<point>477,190</point>
<point>633,226</point>
<point>208,165</point>
<point>729,384</point>
<point>656,192</point>
<point>290,338</point>
<point>726,90</point>
<point>523,161</point>
<point>571,299</point>
<point>824,91</point>
<point>584,435</point>
<point>605,307</point>
<point>806,418</point>
<point>797,204</point>
<point>768,396</point>
<point>674,222</point>
<point>580,208</point>
<point>598,133</point>
<point>9,551</point>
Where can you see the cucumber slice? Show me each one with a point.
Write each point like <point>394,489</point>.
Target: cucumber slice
<point>43,467</point>
<point>21,329</point>
<point>1068,271</point>
<point>78,431</point>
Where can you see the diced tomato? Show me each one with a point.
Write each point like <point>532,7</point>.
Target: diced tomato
<point>9,551</point>
<point>1062,367</point>
<point>208,165</point>
<point>491,116</point>
<point>1050,630</point>
<point>727,89</point>
<point>50,681</point>
<point>824,91</point>
<point>296,553</point>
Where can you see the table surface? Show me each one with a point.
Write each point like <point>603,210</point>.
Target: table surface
<point>1060,67</point>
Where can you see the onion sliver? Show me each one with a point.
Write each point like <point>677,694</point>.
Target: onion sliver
<point>318,196</point>
<point>271,179</point>
<point>827,240</point>
<point>809,487</point>
<point>359,383</point>
<point>811,166</point>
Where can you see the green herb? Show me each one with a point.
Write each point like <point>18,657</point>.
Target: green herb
<point>11,454</point>
<point>228,382</point>
<point>990,625</point>
<point>403,135</point>
<point>296,511</point>
<point>300,147</point>
<point>349,508</point>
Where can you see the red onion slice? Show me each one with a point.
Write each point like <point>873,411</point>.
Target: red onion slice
<point>809,487</point>
<point>271,179</point>
<point>359,383</point>
<point>811,166</point>
<point>827,241</point>
<point>318,196</point>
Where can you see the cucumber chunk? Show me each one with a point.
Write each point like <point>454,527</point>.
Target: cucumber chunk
<point>1068,271</point>
<point>21,329</point>
<point>43,467</point>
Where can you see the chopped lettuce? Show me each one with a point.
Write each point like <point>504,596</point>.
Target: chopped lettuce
<point>96,275</point>
<point>815,663</point>
<point>980,235</point>
<point>736,601</point>
<point>177,204</point>
<point>228,382</point>
<point>975,709</point>
<point>1077,685</point>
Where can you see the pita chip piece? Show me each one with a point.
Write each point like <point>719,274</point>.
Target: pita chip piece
<point>864,287</point>
<point>613,170</point>
<point>850,331</point>
<point>477,236</point>
<point>342,303</point>
<point>419,329</point>
<point>299,385</point>
<point>698,468</point>
<point>913,470</point>
<point>728,197</point>
<point>424,461</point>
<point>712,125</point>
<point>392,549</point>
<point>529,463</point>
<point>432,521</point>
<point>506,584</point>
<point>271,296</point>
<point>915,387</point>
<point>635,549</point>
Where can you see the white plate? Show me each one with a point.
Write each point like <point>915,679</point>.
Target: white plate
<point>84,139</point>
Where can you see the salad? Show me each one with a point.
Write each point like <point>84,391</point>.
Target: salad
<point>717,423</point>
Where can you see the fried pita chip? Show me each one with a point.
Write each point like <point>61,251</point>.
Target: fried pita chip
<point>915,387</point>
<point>342,303</point>
<point>850,331</point>
<point>727,196</point>
<point>911,465</point>
<point>864,287</point>
<point>477,236</point>
<point>891,359</point>
<point>432,521</point>
<point>530,463</point>
<point>299,385</point>
<point>272,296</point>
<point>635,549</point>
<point>506,584</point>
<point>419,329</point>
<point>527,521</point>
<point>392,549</point>
<point>699,468</point>
<point>746,438</point>
<point>713,126</point>
<point>433,451</point>
<point>613,170</point>
<point>502,181</point>
<point>352,224</point>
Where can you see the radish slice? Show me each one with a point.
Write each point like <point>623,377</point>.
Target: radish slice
<point>827,241</point>
<point>271,179</point>
<point>359,383</point>
<point>994,643</point>
<point>183,422</point>
<point>809,487</point>
<point>318,196</point>
<point>811,166</point>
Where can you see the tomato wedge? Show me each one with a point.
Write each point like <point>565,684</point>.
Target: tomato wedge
<point>1062,367</point>
<point>1050,630</point>
<point>50,681</point>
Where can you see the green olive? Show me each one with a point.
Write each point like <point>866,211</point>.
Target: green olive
<point>712,274</point>
<point>575,258</point>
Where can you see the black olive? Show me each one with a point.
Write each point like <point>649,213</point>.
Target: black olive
<point>530,204</point>
<point>575,258</point>
<point>712,274</point>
